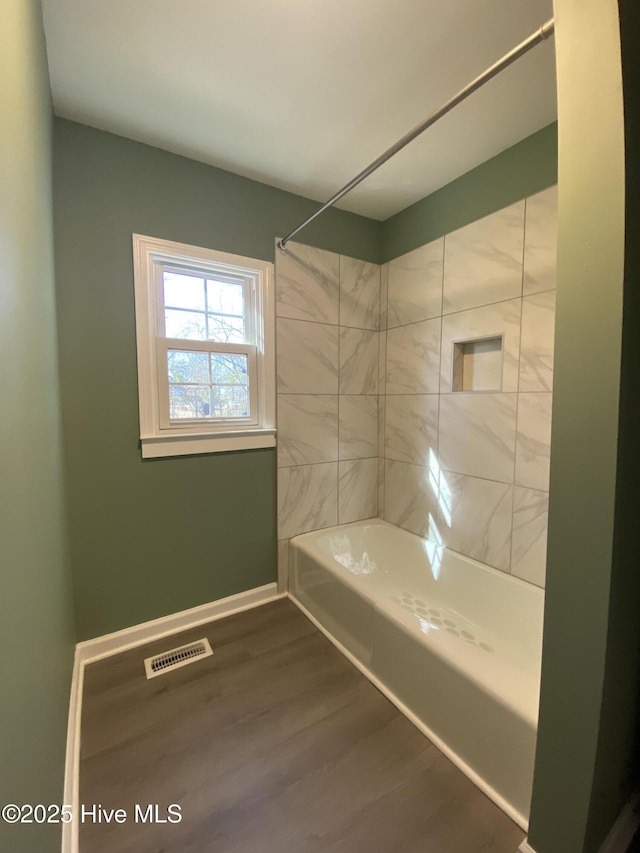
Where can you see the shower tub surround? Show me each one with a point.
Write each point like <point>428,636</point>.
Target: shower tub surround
<point>470,469</point>
<point>358,343</point>
<point>327,321</point>
<point>455,644</point>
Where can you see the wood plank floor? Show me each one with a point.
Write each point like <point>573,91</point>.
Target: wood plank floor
<point>276,744</point>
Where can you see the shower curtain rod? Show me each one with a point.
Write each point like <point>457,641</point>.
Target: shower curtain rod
<point>545,31</point>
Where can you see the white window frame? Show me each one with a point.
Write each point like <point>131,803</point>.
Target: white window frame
<point>159,436</point>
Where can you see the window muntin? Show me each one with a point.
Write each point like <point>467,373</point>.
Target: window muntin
<point>198,307</point>
<point>207,385</point>
<point>202,382</point>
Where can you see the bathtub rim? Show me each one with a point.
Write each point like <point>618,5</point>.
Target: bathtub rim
<point>507,577</point>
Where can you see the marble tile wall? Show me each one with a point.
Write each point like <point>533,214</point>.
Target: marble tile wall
<point>470,470</point>
<point>368,423</point>
<point>327,356</point>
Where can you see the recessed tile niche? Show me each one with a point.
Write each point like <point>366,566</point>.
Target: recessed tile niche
<point>477,364</point>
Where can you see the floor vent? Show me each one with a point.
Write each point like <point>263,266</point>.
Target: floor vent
<point>177,657</point>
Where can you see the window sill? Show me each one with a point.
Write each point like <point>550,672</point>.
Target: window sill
<point>189,444</point>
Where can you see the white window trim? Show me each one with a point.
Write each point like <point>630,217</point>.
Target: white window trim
<point>158,438</point>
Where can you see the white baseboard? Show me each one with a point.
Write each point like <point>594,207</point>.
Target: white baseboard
<point>156,629</point>
<point>525,847</point>
<point>120,641</point>
<point>72,760</point>
<point>471,774</point>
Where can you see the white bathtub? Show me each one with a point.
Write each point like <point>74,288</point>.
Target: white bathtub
<point>454,643</point>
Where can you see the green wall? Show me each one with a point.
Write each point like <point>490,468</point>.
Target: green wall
<point>617,769</point>
<point>156,536</point>
<point>588,707</point>
<point>36,623</point>
<point>522,170</point>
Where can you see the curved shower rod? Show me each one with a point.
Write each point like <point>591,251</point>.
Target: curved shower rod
<point>545,31</point>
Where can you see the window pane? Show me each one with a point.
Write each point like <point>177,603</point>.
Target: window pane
<point>188,367</point>
<point>230,401</point>
<point>228,369</point>
<point>225,298</point>
<point>226,330</point>
<point>185,324</point>
<point>183,291</point>
<point>188,401</point>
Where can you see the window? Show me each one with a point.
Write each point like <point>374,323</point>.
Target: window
<point>204,328</point>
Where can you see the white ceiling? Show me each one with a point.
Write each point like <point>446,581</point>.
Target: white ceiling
<point>302,94</point>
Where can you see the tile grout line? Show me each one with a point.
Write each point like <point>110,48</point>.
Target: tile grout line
<point>379,410</point>
<point>382,392</point>
<point>384,421</point>
<point>444,256</point>
<point>323,323</point>
<point>439,377</point>
<point>339,372</point>
<point>465,310</point>
<point>464,474</point>
<point>515,446</point>
<point>275,335</point>
<point>417,394</point>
